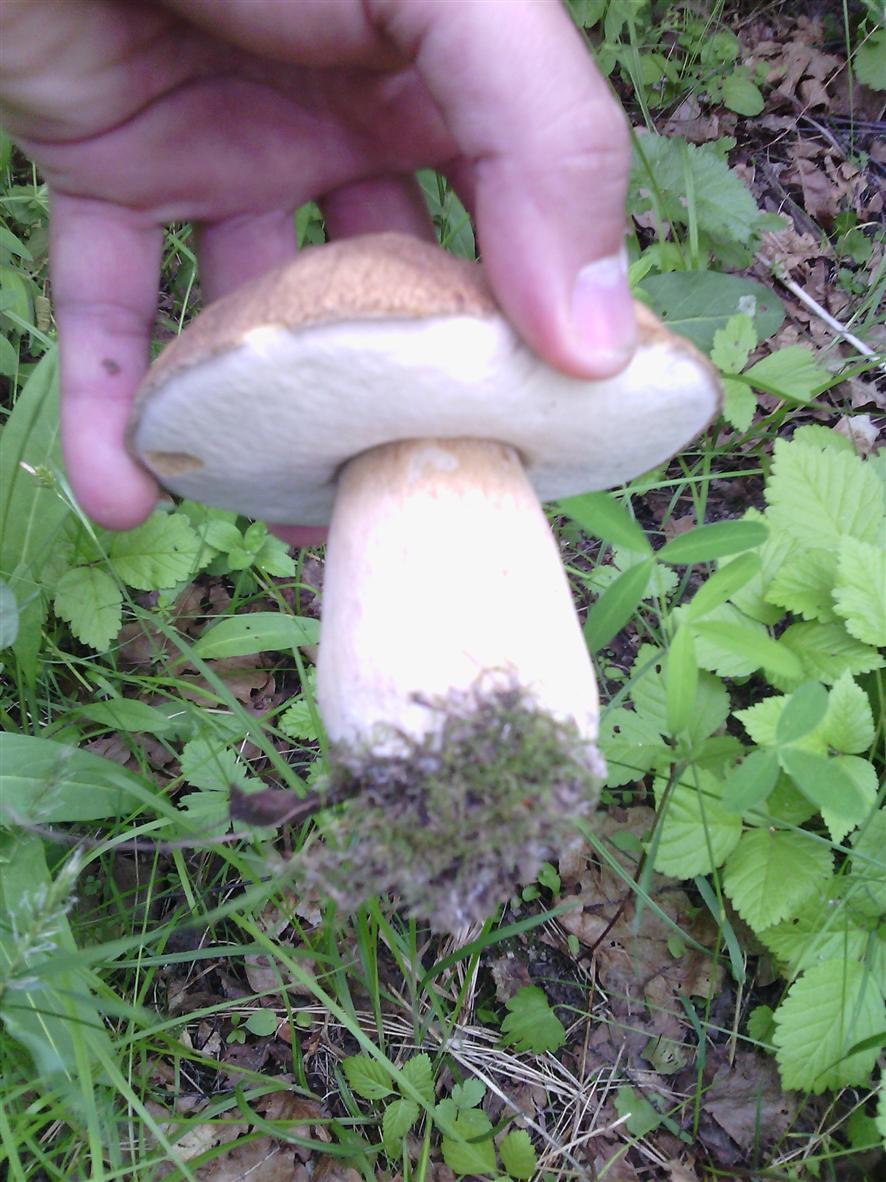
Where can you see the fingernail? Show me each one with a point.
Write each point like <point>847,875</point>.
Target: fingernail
<point>603,312</point>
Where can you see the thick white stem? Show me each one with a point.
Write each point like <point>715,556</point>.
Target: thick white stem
<point>442,577</point>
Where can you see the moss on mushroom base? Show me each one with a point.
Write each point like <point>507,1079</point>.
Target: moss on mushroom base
<point>451,824</point>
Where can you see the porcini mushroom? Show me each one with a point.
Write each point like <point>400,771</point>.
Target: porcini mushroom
<point>373,384</point>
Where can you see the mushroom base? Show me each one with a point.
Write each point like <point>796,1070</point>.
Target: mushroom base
<point>452,824</point>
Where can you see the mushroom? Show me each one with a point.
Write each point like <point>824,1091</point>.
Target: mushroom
<point>372,384</point>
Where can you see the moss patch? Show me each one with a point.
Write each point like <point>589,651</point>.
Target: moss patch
<point>452,824</point>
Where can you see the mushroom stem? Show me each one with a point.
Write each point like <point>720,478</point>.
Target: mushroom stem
<point>443,580</point>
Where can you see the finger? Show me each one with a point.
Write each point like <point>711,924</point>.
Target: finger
<point>105,270</point>
<point>237,249</point>
<point>548,150</point>
<point>375,205</point>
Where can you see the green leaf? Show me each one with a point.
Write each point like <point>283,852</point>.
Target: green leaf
<point>681,680</point>
<point>299,720</point>
<point>463,1152</point>
<point>642,1117</point>
<point>698,303</point>
<point>208,765</point>
<point>761,1025</point>
<point>468,1094</point>
<point>733,344</point>
<point>240,636</point>
<point>723,584</point>
<point>697,832</point>
<point>819,497</point>
<point>8,615</point>
<point>805,584</point>
<point>802,712</point>
<point>46,783</point>
<point>262,1023</point>
<point>881,1110</point>
<point>398,1119</point>
<point>531,1024</point>
<point>705,543</point>
<point>869,866</point>
<point>860,590</point>
<point>770,874</point>
<point>741,95</point>
<point>367,1077</point>
<point>828,1010</point>
<point>600,515</point>
<point>825,652</point>
<point>869,64</point>
<point>826,784</point>
<point>849,725</point>
<point>790,373</point>
<point>850,812</point>
<point>751,646</point>
<point>273,558</point>
<point>824,928</point>
<point>159,553</point>
<point>739,403</point>
<point>126,714</point>
<point>91,602</point>
<point>518,1154</point>
<point>616,605</point>
<point>630,744</point>
<point>752,781</point>
<point>419,1072</point>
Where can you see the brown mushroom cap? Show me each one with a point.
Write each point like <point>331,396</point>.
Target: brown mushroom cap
<point>259,403</point>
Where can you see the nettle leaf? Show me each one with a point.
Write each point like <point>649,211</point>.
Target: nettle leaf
<point>819,497</point>
<point>697,832</point>
<point>733,344</point>
<point>157,554</point>
<point>367,1077</point>
<point>518,1154</point>
<point>398,1119</point>
<point>851,809</point>
<point>860,590</point>
<point>827,1011</point>
<point>91,602</point>
<point>791,373</point>
<point>849,724</point>
<point>804,584</point>
<point>531,1024</point>
<point>771,873</point>
<point>419,1072</point>
<point>825,652</point>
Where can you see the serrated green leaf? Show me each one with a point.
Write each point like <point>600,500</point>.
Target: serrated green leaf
<point>761,1025</point>
<point>531,1024</point>
<point>698,303</point>
<point>733,344</point>
<point>739,403</point>
<point>722,584</point>
<point>761,723</point>
<point>159,553</point>
<point>770,874</point>
<point>802,712</point>
<point>823,929</point>
<point>881,1111</point>
<point>863,776</point>
<point>240,636</point>
<point>752,782</point>
<point>681,680</point>
<point>775,551</point>
<point>860,590</point>
<point>126,714</point>
<point>819,497</point>
<point>825,652</point>
<point>804,584</point>
<point>697,832</point>
<point>470,1150</point>
<point>367,1077</point>
<point>209,765</point>
<point>398,1119</point>
<point>742,95</point>
<point>705,543</point>
<point>786,805</point>
<point>91,602</point>
<point>299,720</point>
<point>468,1094</point>
<point>518,1154</point>
<point>630,744</point>
<point>791,373</point>
<point>273,558</point>
<point>826,784</point>
<point>849,724</point>
<point>600,515</point>
<point>828,1010</point>
<point>419,1072</point>
<point>616,605</point>
<point>868,860</point>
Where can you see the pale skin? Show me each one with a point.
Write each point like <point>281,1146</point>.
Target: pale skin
<point>231,113</point>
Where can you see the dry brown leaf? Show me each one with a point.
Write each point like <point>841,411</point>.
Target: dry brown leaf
<point>747,1101</point>
<point>332,1169</point>
<point>861,431</point>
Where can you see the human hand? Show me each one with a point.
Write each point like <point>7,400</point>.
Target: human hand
<point>231,113</point>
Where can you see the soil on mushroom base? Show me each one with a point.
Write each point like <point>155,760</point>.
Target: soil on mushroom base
<point>453,823</point>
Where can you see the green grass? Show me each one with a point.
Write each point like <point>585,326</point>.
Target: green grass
<point>144,944</point>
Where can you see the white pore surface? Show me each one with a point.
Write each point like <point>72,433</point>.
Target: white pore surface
<point>272,421</point>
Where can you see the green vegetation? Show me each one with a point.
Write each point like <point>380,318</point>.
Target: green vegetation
<point>177,1000</point>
